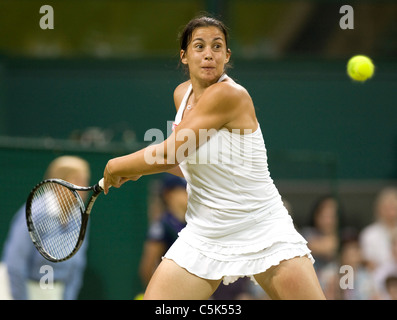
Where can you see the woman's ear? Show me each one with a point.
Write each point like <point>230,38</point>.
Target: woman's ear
<point>183,56</point>
<point>228,54</point>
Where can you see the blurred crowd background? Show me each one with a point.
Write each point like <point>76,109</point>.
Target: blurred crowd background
<point>93,85</point>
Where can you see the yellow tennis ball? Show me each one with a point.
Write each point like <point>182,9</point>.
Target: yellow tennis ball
<point>360,68</point>
<point>139,296</point>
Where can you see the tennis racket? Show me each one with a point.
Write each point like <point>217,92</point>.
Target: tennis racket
<point>57,217</point>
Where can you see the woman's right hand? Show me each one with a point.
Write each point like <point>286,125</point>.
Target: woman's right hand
<point>110,179</point>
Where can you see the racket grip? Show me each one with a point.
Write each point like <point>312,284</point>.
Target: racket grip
<point>100,184</point>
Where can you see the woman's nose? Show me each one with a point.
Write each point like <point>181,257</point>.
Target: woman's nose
<point>208,54</point>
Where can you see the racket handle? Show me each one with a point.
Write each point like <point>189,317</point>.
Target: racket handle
<point>100,183</point>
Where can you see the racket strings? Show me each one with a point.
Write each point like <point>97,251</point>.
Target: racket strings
<point>56,216</point>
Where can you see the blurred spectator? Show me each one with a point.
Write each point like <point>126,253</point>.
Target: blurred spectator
<point>5,293</point>
<point>24,262</point>
<point>164,230</point>
<point>363,284</point>
<point>322,235</point>
<point>384,270</point>
<point>375,239</point>
<point>391,286</point>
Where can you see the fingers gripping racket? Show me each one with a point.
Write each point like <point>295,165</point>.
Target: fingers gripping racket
<point>57,217</point>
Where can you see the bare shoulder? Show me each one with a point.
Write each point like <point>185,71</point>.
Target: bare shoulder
<point>179,93</point>
<point>229,91</point>
<point>233,103</point>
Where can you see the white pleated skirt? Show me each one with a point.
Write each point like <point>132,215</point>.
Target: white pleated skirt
<point>252,250</point>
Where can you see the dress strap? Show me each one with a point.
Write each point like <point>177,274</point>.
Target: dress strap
<point>182,106</point>
<point>223,77</point>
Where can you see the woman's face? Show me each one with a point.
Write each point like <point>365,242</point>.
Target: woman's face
<point>206,54</point>
<point>327,218</point>
<point>387,209</point>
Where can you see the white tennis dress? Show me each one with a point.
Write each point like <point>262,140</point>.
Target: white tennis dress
<point>237,224</point>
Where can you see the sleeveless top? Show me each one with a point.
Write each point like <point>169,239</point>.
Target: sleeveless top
<point>228,182</point>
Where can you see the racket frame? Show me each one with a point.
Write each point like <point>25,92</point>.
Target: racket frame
<point>85,213</point>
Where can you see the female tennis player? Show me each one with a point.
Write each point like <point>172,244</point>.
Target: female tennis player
<point>237,224</point>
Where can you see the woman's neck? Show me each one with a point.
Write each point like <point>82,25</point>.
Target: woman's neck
<point>199,86</point>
